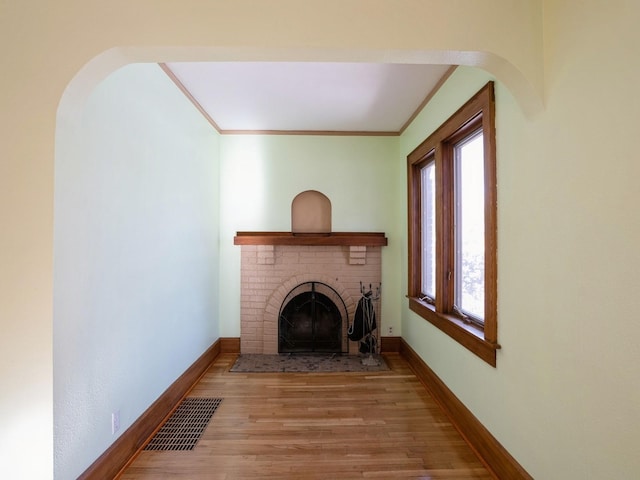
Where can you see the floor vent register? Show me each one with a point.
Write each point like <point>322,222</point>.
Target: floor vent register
<point>185,426</point>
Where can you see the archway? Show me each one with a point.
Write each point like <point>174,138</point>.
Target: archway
<point>72,105</point>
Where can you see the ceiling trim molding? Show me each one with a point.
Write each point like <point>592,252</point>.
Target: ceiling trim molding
<point>190,97</point>
<point>336,133</point>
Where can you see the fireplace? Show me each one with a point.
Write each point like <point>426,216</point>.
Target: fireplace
<point>311,320</point>
<point>274,264</point>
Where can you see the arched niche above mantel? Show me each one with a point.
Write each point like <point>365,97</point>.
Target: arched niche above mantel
<point>311,213</point>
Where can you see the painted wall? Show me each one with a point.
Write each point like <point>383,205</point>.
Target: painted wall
<point>261,176</point>
<point>135,257</point>
<point>564,398</point>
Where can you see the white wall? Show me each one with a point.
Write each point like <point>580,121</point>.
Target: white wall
<point>565,398</point>
<point>261,176</point>
<point>135,257</point>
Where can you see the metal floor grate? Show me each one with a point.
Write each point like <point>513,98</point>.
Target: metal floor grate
<point>185,426</point>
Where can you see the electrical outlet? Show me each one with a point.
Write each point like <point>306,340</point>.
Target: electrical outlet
<point>389,330</point>
<point>115,422</point>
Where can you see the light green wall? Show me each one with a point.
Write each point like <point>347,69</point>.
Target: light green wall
<point>136,257</point>
<point>262,174</point>
<point>564,399</point>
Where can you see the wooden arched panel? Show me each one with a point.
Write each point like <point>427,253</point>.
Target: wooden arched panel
<point>311,213</point>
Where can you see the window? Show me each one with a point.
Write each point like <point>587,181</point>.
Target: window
<point>468,217</point>
<point>452,227</point>
<point>428,182</point>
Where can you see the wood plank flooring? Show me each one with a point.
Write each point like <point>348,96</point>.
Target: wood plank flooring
<point>317,426</point>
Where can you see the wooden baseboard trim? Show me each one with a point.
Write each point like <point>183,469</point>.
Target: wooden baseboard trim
<point>230,345</point>
<point>486,446</point>
<point>390,344</point>
<point>125,448</point>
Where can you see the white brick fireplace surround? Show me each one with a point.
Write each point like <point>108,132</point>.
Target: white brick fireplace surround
<point>274,263</point>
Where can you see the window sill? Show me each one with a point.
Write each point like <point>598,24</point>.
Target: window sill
<point>469,336</point>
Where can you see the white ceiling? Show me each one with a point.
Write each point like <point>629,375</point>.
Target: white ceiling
<point>308,97</point>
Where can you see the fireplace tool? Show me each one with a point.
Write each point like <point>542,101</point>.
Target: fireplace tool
<point>364,328</point>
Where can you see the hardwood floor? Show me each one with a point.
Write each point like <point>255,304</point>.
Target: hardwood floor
<point>317,426</point>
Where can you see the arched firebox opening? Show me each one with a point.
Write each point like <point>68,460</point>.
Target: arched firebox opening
<point>311,320</point>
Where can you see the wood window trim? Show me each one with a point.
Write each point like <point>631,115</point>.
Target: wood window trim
<point>478,112</point>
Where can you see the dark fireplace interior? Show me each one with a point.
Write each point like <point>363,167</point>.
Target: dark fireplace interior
<point>310,320</point>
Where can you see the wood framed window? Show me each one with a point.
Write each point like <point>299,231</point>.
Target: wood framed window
<point>452,227</point>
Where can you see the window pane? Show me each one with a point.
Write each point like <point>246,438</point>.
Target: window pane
<point>469,226</point>
<point>428,207</point>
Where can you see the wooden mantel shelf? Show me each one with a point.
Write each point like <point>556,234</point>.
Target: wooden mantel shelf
<point>367,239</point>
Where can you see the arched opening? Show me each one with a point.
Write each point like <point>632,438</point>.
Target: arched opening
<point>311,213</point>
<point>68,135</point>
